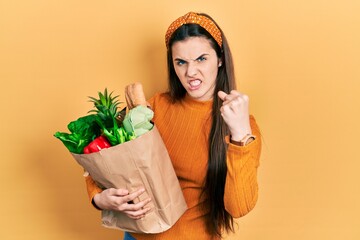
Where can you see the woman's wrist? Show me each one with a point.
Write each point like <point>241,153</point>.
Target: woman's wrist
<point>248,138</point>
<point>94,204</point>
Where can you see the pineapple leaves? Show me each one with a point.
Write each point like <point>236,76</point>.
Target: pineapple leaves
<point>106,111</point>
<point>105,107</point>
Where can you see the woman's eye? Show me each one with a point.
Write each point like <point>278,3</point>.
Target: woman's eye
<point>201,59</point>
<point>180,62</point>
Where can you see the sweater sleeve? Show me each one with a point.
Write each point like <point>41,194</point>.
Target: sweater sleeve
<point>91,187</point>
<point>241,188</point>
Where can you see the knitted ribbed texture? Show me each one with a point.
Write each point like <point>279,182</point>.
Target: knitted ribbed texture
<point>185,128</point>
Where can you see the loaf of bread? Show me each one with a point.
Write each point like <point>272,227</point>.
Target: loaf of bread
<point>134,95</point>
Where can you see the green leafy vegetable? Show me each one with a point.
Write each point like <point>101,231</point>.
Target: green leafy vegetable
<point>82,132</point>
<point>138,120</point>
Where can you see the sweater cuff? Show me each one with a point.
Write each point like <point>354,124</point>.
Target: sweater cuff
<point>237,148</point>
<point>92,188</point>
<point>238,156</point>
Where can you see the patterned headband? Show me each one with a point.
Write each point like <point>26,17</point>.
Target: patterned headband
<point>194,18</point>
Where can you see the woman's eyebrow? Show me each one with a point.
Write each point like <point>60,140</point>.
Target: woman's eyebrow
<point>180,59</point>
<point>202,55</point>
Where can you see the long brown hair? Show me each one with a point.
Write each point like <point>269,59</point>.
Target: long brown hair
<point>218,218</point>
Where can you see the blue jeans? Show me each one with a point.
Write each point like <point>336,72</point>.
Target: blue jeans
<point>127,236</point>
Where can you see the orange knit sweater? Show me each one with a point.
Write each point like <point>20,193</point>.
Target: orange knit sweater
<point>185,128</point>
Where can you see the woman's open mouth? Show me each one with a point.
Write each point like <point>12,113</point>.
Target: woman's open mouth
<point>194,84</point>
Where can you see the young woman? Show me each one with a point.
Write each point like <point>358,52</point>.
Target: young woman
<point>213,142</point>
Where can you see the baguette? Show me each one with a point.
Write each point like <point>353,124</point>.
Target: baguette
<point>134,95</point>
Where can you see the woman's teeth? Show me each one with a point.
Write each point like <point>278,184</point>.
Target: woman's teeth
<point>195,83</point>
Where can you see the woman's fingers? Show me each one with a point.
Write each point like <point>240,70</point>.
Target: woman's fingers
<point>226,98</point>
<point>138,211</point>
<point>135,206</point>
<point>233,102</point>
<point>232,96</point>
<point>136,194</point>
<point>222,95</point>
<point>235,112</point>
<point>118,192</point>
<point>126,204</point>
<point>121,200</point>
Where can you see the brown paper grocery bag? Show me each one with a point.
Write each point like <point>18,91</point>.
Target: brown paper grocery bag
<point>142,162</point>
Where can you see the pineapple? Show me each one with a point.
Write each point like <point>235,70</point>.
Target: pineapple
<point>106,107</point>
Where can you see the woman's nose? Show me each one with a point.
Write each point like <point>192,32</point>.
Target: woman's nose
<point>191,69</point>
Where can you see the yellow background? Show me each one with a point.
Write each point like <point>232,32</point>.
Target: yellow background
<point>297,60</point>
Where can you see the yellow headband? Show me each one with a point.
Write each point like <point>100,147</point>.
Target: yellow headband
<point>194,18</point>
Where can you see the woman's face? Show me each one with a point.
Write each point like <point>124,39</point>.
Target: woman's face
<point>196,65</point>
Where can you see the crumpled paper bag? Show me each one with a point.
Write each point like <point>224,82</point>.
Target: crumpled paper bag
<point>142,162</point>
